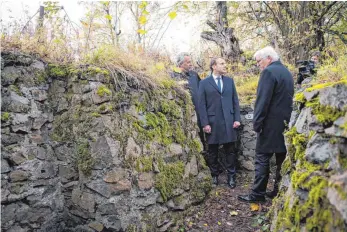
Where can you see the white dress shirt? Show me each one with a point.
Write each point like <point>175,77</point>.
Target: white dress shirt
<point>221,80</point>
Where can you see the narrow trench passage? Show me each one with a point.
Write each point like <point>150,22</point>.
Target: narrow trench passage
<point>221,211</point>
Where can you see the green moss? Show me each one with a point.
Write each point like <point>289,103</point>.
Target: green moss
<point>84,82</point>
<point>168,83</point>
<point>102,108</point>
<point>96,70</point>
<point>5,116</point>
<point>103,90</point>
<point>169,107</point>
<point>93,71</point>
<point>344,127</point>
<point>342,160</point>
<point>15,89</point>
<point>300,97</point>
<point>62,128</point>
<point>156,128</point>
<point>85,161</point>
<point>58,71</point>
<point>41,77</point>
<point>201,161</point>
<point>194,146</point>
<point>286,166</point>
<point>339,189</point>
<point>296,144</point>
<point>325,85</point>
<point>199,188</point>
<point>316,212</point>
<point>144,164</point>
<point>131,228</point>
<point>178,133</point>
<point>188,108</point>
<point>169,178</point>
<point>95,114</point>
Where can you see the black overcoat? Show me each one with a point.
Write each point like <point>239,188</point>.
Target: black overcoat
<point>219,110</point>
<point>273,108</point>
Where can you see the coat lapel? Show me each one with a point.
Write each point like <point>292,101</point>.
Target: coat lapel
<point>224,84</point>
<point>213,83</point>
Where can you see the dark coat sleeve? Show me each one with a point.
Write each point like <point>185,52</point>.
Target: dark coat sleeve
<point>194,80</point>
<point>265,90</point>
<point>236,103</point>
<point>202,105</point>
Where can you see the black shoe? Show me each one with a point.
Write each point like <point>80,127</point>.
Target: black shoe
<point>231,182</point>
<point>271,194</point>
<point>215,180</point>
<point>250,198</point>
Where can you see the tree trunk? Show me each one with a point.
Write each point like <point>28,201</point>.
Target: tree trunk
<point>223,35</point>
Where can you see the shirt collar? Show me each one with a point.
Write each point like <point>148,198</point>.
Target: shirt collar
<point>215,77</point>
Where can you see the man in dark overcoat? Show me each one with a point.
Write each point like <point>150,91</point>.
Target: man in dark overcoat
<point>272,112</point>
<point>219,113</point>
<point>191,82</point>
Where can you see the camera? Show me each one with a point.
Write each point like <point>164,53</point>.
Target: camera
<point>306,69</point>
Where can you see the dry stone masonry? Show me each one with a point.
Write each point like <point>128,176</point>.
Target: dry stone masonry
<point>86,149</point>
<point>313,193</point>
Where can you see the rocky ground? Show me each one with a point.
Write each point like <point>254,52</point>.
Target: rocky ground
<point>222,211</point>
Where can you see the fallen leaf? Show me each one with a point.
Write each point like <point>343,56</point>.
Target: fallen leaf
<point>205,224</point>
<point>255,207</point>
<point>233,213</point>
<point>219,223</point>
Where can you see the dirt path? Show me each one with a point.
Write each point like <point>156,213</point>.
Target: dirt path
<point>221,211</point>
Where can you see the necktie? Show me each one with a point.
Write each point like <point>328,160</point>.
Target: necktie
<point>219,84</point>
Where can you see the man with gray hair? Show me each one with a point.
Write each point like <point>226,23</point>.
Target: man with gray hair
<point>272,112</point>
<point>186,74</point>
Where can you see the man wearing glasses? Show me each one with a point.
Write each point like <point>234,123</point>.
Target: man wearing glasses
<point>272,112</point>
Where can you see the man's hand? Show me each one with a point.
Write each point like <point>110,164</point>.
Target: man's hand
<point>236,124</point>
<point>207,129</point>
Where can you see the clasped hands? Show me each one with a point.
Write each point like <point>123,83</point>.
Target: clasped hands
<point>207,128</point>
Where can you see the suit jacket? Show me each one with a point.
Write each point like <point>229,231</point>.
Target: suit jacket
<point>273,107</point>
<point>219,109</point>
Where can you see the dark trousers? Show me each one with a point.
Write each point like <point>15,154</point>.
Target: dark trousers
<point>212,158</point>
<point>262,170</point>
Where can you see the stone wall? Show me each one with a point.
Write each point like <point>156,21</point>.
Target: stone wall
<point>313,191</point>
<point>247,139</point>
<point>86,149</point>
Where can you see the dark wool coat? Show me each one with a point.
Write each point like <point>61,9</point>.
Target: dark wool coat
<point>273,107</point>
<point>219,110</point>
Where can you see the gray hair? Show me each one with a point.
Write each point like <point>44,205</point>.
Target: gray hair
<point>316,53</point>
<point>180,58</point>
<point>267,52</point>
